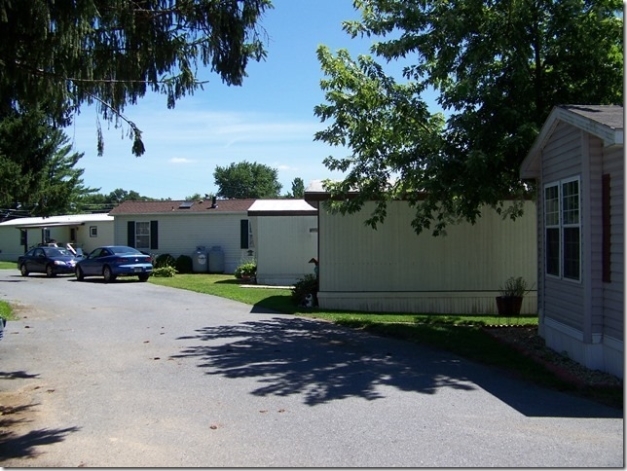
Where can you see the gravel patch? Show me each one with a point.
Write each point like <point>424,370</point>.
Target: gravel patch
<point>527,340</point>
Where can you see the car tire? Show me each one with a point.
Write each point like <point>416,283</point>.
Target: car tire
<point>23,270</point>
<point>108,274</point>
<point>144,277</point>
<point>50,271</point>
<point>80,276</point>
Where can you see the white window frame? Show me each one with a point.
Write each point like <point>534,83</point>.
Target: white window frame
<point>569,217</point>
<point>140,235</point>
<point>93,231</point>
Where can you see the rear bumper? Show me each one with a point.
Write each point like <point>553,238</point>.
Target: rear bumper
<point>130,270</point>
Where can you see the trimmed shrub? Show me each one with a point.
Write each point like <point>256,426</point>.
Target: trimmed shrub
<point>303,287</point>
<point>165,260</point>
<point>164,272</point>
<point>184,264</point>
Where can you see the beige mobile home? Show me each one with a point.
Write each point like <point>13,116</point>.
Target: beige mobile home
<point>391,269</point>
<point>286,238</point>
<point>578,164</point>
<point>179,227</point>
<point>85,231</point>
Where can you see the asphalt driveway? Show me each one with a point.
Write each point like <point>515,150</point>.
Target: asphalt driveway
<point>132,374</point>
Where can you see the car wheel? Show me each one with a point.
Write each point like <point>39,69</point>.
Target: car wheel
<point>24,270</point>
<point>50,271</point>
<point>108,275</point>
<point>143,277</point>
<point>80,276</point>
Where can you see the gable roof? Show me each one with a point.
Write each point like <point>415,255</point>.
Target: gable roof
<point>282,207</point>
<point>603,121</point>
<point>182,207</point>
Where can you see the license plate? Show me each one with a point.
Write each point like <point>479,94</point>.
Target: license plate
<point>137,270</point>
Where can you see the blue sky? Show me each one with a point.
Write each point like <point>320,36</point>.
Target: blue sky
<point>269,119</point>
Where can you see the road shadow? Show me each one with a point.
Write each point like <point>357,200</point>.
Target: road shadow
<point>324,362</point>
<point>17,375</point>
<point>23,446</point>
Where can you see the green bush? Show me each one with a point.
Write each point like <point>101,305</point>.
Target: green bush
<point>164,272</point>
<point>303,287</point>
<point>246,269</point>
<point>184,264</point>
<point>165,260</point>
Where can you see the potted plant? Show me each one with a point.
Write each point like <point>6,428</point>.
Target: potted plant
<point>512,293</point>
<point>246,271</point>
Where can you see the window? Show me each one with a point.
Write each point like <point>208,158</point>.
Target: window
<point>142,235</point>
<point>562,222</point>
<point>93,231</point>
<point>246,235</point>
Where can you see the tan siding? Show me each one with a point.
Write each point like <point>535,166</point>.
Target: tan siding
<point>393,259</point>
<point>285,244</point>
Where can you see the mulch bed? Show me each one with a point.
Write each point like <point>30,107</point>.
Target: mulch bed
<point>526,340</point>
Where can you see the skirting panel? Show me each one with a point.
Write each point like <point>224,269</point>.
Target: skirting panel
<point>420,302</point>
<point>606,355</point>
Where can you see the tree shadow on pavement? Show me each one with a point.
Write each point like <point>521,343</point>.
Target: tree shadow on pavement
<point>316,359</point>
<point>325,362</point>
<point>13,445</point>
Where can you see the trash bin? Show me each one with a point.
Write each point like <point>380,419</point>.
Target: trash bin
<point>199,260</point>
<point>216,259</point>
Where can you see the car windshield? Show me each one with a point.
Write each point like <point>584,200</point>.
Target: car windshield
<point>56,252</point>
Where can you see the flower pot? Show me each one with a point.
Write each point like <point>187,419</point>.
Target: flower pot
<point>509,305</point>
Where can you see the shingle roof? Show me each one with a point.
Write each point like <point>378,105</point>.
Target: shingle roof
<point>608,115</point>
<point>162,207</point>
<point>603,121</point>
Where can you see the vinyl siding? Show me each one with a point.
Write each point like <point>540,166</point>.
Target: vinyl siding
<point>11,249</point>
<point>285,244</point>
<point>613,293</point>
<point>181,234</point>
<point>562,300</point>
<point>394,263</point>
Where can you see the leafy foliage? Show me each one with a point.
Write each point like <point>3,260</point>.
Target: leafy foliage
<point>308,285</point>
<point>248,269</point>
<point>165,260</point>
<point>298,188</point>
<point>37,171</point>
<point>498,68</point>
<point>184,264</point>
<point>164,271</point>
<point>514,287</point>
<point>247,180</point>
<point>60,55</point>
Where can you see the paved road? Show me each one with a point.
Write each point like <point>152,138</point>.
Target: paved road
<point>131,374</point>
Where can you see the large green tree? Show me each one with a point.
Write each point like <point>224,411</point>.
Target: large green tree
<point>58,55</point>
<point>497,68</point>
<point>247,180</point>
<point>37,167</point>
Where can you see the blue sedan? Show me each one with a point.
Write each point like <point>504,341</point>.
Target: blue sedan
<point>48,260</point>
<point>112,261</point>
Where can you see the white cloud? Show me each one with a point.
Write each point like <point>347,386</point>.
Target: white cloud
<point>180,160</point>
